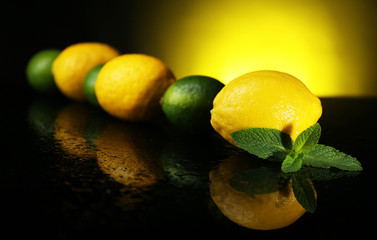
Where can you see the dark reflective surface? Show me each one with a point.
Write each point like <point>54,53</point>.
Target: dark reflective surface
<point>71,170</point>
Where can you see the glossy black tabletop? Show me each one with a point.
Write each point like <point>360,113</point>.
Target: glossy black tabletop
<point>70,170</point>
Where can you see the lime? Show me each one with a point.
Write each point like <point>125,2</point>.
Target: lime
<point>187,103</point>
<point>38,71</point>
<point>88,84</point>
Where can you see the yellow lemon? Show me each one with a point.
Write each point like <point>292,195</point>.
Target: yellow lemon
<point>73,63</point>
<point>265,99</point>
<point>130,86</point>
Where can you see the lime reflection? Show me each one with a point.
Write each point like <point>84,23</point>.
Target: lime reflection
<point>42,112</point>
<point>266,201</point>
<point>185,160</point>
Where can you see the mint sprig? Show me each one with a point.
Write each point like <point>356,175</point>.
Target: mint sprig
<point>272,144</point>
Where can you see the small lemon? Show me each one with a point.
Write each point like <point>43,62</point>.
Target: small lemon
<point>130,86</point>
<point>265,99</point>
<point>74,62</point>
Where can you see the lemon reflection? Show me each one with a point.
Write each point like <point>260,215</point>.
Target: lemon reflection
<point>128,154</point>
<point>125,153</point>
<point>268,205</point>
<point>69,130</point>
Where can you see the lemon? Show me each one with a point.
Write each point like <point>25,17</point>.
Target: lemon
<point>265,99</point>
<point>88,84</point>
<point>38,71</point>
<point>130,86</point>
<point>187,103</point>
<point>74,62</point>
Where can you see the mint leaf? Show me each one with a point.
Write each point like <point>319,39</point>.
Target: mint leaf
<point>304,193</point>
<point>325,157</point>
<point>265,143</point>
<point>292,163</point>
<point>308,139</point>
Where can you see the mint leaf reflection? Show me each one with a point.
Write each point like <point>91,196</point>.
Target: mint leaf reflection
<point>257,180</point>
<point>304,192</point>
<point>323,174</point>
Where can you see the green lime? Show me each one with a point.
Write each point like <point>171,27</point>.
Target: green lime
<point>88,84</point>
<point>187,103</point>
<point>38,71</point>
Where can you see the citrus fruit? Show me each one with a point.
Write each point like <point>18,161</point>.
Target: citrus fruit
<point>130,86</point>
<point>265,99</point>
<point>187,103</point>
<point>88,84</point>
<point>38,71</point>
<point>74,62</point>
<point>270,209</point>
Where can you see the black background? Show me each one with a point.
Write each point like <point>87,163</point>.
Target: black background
<point>347,207</point>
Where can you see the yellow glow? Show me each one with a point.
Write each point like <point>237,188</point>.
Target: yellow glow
<point>225,39</point>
